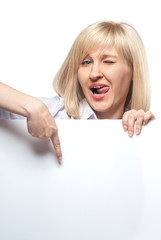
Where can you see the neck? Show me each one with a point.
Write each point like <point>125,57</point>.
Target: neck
<point>117,114</point>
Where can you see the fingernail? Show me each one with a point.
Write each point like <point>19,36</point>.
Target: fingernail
<point>130,133</point>
<point>125,127</point>
<point>60,160</point>
<point>137,131</point>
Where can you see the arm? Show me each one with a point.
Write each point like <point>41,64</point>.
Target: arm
<point>40,123</point>
<point>140,117</point>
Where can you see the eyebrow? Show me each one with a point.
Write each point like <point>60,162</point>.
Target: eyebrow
<point>108,56</point>
<point>102,56</point>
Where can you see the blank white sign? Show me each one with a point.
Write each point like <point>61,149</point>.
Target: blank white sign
<point>108,187</point>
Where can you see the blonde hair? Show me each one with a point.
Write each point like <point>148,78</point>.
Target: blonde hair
<point>128,45</point>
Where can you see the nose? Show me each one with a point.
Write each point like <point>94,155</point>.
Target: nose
<point>95,73</point>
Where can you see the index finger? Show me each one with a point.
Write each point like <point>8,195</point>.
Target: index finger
<point>56,143</point>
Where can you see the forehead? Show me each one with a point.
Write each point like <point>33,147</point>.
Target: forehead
<point>104,52</point>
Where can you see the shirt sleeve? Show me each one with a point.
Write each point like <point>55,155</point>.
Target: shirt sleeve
<point>55,106</point>
<point>5,115</point>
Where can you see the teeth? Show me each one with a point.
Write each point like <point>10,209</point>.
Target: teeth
<point>98,87</point>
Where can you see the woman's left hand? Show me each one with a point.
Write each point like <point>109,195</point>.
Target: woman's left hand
<point>140,117</point>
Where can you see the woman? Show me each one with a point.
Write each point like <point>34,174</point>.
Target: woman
<point>105,76</point>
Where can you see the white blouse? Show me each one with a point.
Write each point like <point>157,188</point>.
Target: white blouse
<point>57,110</point>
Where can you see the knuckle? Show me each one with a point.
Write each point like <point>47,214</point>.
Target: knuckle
<point>146,117</point>
<point>128,113</point>
<point>125,118</point>
<point>57,145</point>
<point>32,134</point>
<point>132,117</point>
<point>54,129</point>
<point>132,111</point>
<point>46,136</point>
<point>131,129</point>
<point>48,133</point>
<point>125,114</point>
<point>149,114</point>
<point>41,136</point>
<point>140,113</point>
<point>140,116</point>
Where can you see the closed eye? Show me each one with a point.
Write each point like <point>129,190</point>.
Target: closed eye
<point>109,62</point>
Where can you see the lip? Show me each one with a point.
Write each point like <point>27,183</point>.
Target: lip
<point>98,96</point>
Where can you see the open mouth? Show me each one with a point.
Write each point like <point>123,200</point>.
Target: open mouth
<point>99,91</point>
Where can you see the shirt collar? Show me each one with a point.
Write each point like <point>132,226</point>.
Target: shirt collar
<point>86,111</point>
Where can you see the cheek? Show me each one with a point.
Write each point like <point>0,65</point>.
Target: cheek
<point>122,83</point>
<point>81,77</point>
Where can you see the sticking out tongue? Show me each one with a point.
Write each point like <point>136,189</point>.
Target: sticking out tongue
<point>102,90</point>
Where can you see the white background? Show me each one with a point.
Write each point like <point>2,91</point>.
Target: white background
<point>36,35</point>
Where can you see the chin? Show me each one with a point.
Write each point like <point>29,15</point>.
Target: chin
<point>101,107</point>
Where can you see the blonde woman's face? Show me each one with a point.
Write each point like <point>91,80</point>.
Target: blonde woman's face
<point>105,80</point>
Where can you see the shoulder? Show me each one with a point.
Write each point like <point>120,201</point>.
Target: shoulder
<point>58,111</point>
<point>54,102</point>
<point>56,107</point>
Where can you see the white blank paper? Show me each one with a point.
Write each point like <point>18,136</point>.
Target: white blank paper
<point>108,187</point>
